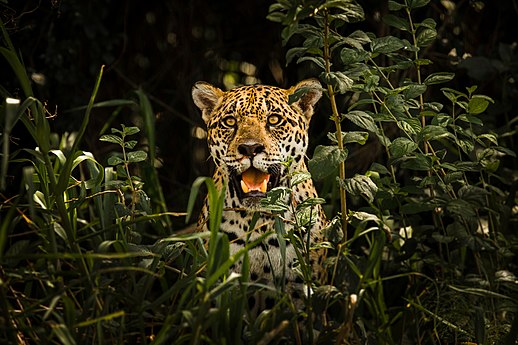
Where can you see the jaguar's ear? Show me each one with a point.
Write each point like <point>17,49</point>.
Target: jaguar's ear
<point>206,97</point>
<point>305,95</point>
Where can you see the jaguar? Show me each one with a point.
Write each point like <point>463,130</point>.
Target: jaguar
<point>253,132</point>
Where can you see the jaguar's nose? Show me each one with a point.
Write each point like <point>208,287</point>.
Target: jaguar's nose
<point>250,150</point>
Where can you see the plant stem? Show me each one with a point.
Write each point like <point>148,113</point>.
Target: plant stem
<point>338,126</point>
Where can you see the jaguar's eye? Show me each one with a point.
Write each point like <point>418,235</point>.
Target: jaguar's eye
<point>229,121</point>
<point>274,120</point>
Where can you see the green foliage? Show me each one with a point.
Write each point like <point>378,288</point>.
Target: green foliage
<point>441,196</point>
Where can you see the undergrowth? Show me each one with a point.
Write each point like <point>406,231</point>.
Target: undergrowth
<point>419,246</point>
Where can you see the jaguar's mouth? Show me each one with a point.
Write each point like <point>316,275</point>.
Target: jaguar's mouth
<point>254,183</point>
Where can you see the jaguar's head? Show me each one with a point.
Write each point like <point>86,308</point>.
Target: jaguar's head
<point>253,129</point>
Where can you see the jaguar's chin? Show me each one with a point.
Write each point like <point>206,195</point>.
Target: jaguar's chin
<point>253,184</point>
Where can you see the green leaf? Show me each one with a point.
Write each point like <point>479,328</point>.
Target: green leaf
<point>431,132</point>
<point>294,53</point>
<point>114,160</point>
<point>395,6</point>
<point>137,156</point>
<point>473,194</point>
<point>355,137</point>
<point>361,185</point>
<point>130,144</point>
<point>350,137</point>
<point>418,162</point>
<point>417,3</point>
<point>387,44</point>
<point>410,125</point>
<point>299,177</point>
<point>438,78</point>
<point>111,138</point>
<point>130,130</point>
<point>478,104</point>
<point>397,22</point>
<point>357,39</point>
<point>425,37</point>
<point>325,161</point>
<point>413,90</point>
<point>339,80</point>
<point>351,55</point>
<point>427,23</point>
<point>402,146</point>
<point>362,120</point>
<point>462,208</point>
<point>414,208</point>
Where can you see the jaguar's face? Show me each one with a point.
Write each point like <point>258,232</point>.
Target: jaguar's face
<point>252,130</point>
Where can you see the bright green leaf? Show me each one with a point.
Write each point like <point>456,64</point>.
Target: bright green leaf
<point>477,105</point>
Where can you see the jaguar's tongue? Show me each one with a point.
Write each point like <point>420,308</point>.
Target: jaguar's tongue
<point>254,180</point>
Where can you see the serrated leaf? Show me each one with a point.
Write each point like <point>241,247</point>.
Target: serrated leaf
<point>137,156</point>
<point>362,120</point>
<point>361,185</point>
<point>111,138</point>
<point>325,161</point>
<point>438,78</point>
<point>402,146</point>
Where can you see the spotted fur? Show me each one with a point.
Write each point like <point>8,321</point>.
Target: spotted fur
<point>256,126</point>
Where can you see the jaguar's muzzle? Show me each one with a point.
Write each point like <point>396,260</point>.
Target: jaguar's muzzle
<point>254,183</point>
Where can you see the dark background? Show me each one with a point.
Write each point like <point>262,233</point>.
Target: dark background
<point>163,47</point>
